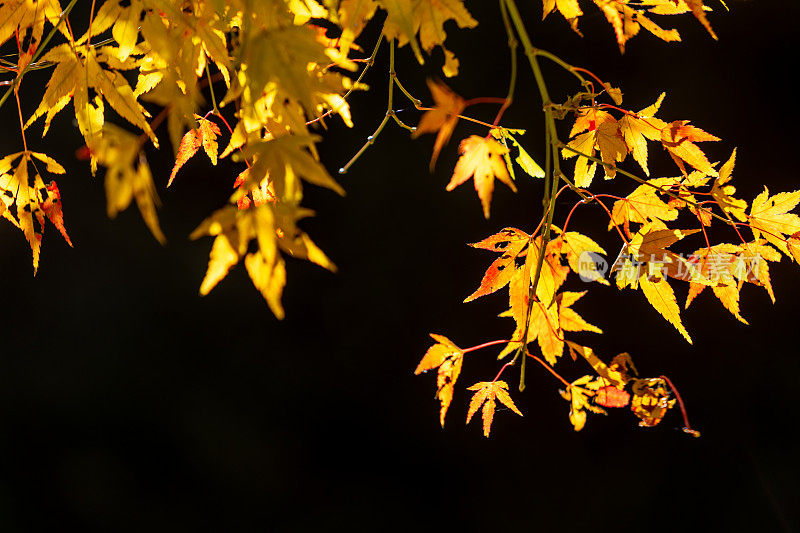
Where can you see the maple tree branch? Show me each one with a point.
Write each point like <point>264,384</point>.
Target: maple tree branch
<point>577,190</point>
<point>512,48</point>
<point>369,62</point>
<point>551,180</point>
<point>41,48</point>
<point>211,89</point>
<point>390,111</point>
<point>563,64</point>
<point>416,101</point>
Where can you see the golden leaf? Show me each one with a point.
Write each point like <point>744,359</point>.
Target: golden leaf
<point>486,393</point>
<point>481,159</point>
<point>442,119</point>
<point>769,215</point>
<point>448,358</point>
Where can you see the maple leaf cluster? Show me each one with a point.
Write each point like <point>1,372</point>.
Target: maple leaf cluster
<point>254,81</point>
<point>534,267</point>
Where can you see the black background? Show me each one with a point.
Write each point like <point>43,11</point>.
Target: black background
<point>129,403</point>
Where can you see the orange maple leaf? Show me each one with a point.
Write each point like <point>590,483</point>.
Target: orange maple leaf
<point>204,135</point>
<point>448,358</point>
<point>510,242</point>
<point>442,118</point>
<point>602,131</point>
<point>487,392</point>
<point>482,158</point>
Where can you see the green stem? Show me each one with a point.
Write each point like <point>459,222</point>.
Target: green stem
<point>563,64</point>
<point>211,88</point>
<point>550,193</point>
<point>389,112</point>
<point>370,62</point>
<point>512,48</point>
<point>415,101</point>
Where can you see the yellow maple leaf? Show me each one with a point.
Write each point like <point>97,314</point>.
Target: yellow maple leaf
<point>353,16</point>
<point>678,138</point>
<point>576,246</point>
<point>19,16</point>
<point>442,119</point>
<point>548,324</point>
<point>604,135</point>
<point>717,265</point>
<point>642,206</point>
<point>578,394</point>
<point>128,175</point>
<point>751,264</point>
<point>274,228</point>
<point>645,262</point>
<point>770,216</point>
<point>448,358</point>
<point>285,160</point>
<point>523,159</point>
<point>481,159</point>
<point>485,394</point>
<point>661,296</point>
<point>638,129</point>
<point>32,200</point>
<point>569,9</point>
<point>723,194</point>
<point>407,17</point>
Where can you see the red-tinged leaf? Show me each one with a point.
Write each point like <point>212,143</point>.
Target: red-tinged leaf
<point>510,242</point>
<point>794,246</point>
<point>611,396</point>
<point>208,134</point>
<point>190,143</point>
<point>52,208</point>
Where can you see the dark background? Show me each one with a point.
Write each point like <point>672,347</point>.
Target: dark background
<point>129,403</point>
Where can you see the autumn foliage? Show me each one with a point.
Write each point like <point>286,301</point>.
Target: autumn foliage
<point>256,81</point>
